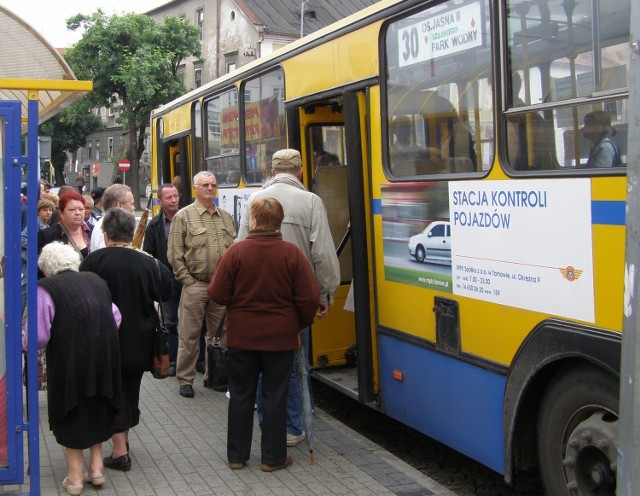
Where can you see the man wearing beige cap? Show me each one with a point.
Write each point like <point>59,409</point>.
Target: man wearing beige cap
<point>305,224</point>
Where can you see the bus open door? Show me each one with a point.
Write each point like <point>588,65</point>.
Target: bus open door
<point>341,344</point>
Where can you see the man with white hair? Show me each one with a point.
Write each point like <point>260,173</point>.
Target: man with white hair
<point>199,235</point>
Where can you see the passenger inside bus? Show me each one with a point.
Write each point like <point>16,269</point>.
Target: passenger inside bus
<point>598,129</point>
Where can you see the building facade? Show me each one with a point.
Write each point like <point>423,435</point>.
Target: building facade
<point>232,33</point>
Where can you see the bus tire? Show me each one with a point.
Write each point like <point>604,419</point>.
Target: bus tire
<point>578,433</point>
<point>420,253</point>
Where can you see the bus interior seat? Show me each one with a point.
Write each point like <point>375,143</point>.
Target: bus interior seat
<point>458,147</point>
<point>542,156</point>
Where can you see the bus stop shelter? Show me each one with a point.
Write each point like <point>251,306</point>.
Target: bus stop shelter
<point>35,84</point>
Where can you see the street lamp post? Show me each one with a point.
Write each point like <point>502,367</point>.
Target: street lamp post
<point>302,18</point>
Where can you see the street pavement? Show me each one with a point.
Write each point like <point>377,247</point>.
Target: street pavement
<point>179,449</point>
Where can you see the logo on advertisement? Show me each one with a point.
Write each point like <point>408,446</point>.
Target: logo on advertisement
<point>571,274</point>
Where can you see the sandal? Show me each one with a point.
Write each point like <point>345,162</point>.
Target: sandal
<point>99,480</point>
<point>268,467</point>
<point>72,490</point>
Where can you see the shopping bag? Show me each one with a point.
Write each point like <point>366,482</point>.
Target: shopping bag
<point>216,367</point>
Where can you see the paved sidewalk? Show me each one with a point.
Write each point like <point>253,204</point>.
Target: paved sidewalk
<point>179,448</point>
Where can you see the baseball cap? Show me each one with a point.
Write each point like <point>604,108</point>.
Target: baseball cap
<point>286,159</point>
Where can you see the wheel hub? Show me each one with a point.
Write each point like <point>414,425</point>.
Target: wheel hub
<point>590,456</point>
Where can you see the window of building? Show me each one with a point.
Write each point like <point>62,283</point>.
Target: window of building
<point>198,77</point>
<point>200,22</point>
<point>109,147</point>
<point>231,66</point>
<point>97,149</point>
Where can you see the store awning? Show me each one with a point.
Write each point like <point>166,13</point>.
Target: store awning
<point>30,68</point>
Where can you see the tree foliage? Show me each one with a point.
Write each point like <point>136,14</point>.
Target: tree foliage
<point>134,65</point>
<point>69,129</point>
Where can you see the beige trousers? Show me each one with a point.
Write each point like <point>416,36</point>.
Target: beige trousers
<point>195,307</point>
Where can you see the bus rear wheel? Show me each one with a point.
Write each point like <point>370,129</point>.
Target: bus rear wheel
<point>578,434</point>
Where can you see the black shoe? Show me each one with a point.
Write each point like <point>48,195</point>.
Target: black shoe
<point>172,369</point>
<point>122,463</point>
<point>187,391</point>
<point>200,367</point>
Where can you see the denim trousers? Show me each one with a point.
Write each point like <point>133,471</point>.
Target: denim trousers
<point>294,395</point>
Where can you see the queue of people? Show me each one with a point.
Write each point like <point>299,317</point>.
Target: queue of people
<point>197,267</point>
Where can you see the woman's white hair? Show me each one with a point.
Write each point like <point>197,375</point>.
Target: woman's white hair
<point>56,257</point>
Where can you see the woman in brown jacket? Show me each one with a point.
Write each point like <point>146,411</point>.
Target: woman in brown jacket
<point>271,293</point>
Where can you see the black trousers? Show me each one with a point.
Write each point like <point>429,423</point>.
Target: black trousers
<point>243,368</point>
<point>170,313</point>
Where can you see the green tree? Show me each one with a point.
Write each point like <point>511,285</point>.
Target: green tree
<point>69,129</point>
<point>133,63</point>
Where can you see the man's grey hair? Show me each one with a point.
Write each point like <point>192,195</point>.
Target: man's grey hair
<point>114,194</point>
<point>56,257</point>
<point>202,174</point>
<point>119,224</point>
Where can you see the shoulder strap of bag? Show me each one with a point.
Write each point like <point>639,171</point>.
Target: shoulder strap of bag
<point>71,241</point>
<point>158,288</point>
<point>216,338</point>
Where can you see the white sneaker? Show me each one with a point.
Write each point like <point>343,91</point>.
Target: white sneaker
<point>293,440</point>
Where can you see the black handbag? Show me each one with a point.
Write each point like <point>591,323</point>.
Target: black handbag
<point>160,358</point>
<point>217,362</point>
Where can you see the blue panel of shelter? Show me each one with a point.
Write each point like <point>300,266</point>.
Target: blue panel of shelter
<point>11,409</point>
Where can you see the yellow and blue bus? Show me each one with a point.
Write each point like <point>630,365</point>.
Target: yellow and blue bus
<point>477,149</point>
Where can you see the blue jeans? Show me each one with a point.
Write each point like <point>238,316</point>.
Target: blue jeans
<point>294,395</point>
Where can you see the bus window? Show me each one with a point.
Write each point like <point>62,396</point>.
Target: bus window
<point>197,138</point>
<point>223,139</point>
<point>264,124</point>
<point>559,54</point>
<point>439,101</point>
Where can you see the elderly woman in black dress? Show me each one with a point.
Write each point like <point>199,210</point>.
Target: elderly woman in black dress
<point>78,324</point>
<point>136,281</point>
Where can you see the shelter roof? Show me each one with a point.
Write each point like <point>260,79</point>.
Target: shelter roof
<point>30,68</point>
